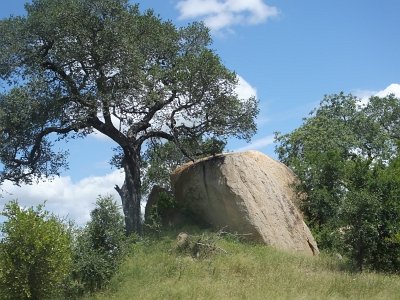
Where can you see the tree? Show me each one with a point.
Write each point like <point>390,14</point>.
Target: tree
<point>317,150</point>
<point>346,157</point>
<point>98,249</point>
<point>386,185</point>
<point>370,215</point>
<point>35,253</point>
<point>360,216</point>
<point>76,66</point>
<point>321,150</point>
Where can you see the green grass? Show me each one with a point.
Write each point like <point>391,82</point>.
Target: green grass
<point>154,270</point>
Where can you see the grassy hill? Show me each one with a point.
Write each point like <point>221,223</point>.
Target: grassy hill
<point>229,269</point>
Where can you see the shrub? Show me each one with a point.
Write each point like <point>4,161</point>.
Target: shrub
<point>35,253</point>
<point>162,213</point>
<point>361,212</point>
<point>98,249</point>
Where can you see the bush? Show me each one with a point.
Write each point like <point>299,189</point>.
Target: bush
<point>371,214</point>
<point>361,212</point>
<point>97,250</point>
<point>35,253</point>
<point>162,213</point>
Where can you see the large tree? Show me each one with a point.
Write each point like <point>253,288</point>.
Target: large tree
<point>337,133</point>
<point>346,155</point>
<point>75,66</point>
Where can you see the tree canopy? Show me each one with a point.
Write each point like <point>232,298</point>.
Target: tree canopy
<point>346,155</point>
<point>78,66</point>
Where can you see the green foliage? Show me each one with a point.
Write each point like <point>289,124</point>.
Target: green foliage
<point>74,66</point>
<point>35,253</point>
<point>153,224</point>
<point>166,213</point>
<point>371,212</point>
<point>106,227</point>
<point>159,160</point>
<point>361,212</point>
<point>166,204</point>
<point>345,157</point>
<point>370,215</point>
<point>387,188</point>
<point>98,249</point>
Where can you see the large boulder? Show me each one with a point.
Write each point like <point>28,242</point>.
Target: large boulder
<point>249,193</point>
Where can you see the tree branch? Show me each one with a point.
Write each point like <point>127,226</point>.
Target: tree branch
<point>68,80</point>
<point>35,154</point>
<point>110,131</point>
<point>145,122</point>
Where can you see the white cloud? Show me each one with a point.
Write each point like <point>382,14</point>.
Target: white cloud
<point>257,144</point>
<point>244,89</point>
<point>364,95</point>
<point>394,88</point>
<point>222,14</point>
<point>64,197</point>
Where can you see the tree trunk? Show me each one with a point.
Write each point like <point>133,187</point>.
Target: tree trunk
<point>130,192</point>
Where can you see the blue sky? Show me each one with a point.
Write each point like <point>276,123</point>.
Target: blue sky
<point>289,54</point>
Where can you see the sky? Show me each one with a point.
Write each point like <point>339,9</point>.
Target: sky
<point>289,54</point>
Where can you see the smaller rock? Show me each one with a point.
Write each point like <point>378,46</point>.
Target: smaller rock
<point>182,241</point>
<point>161,206</point>
<point>338,256</point>
<point>152,200</point>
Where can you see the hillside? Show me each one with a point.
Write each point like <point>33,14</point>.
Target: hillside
<point>236,270</point>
